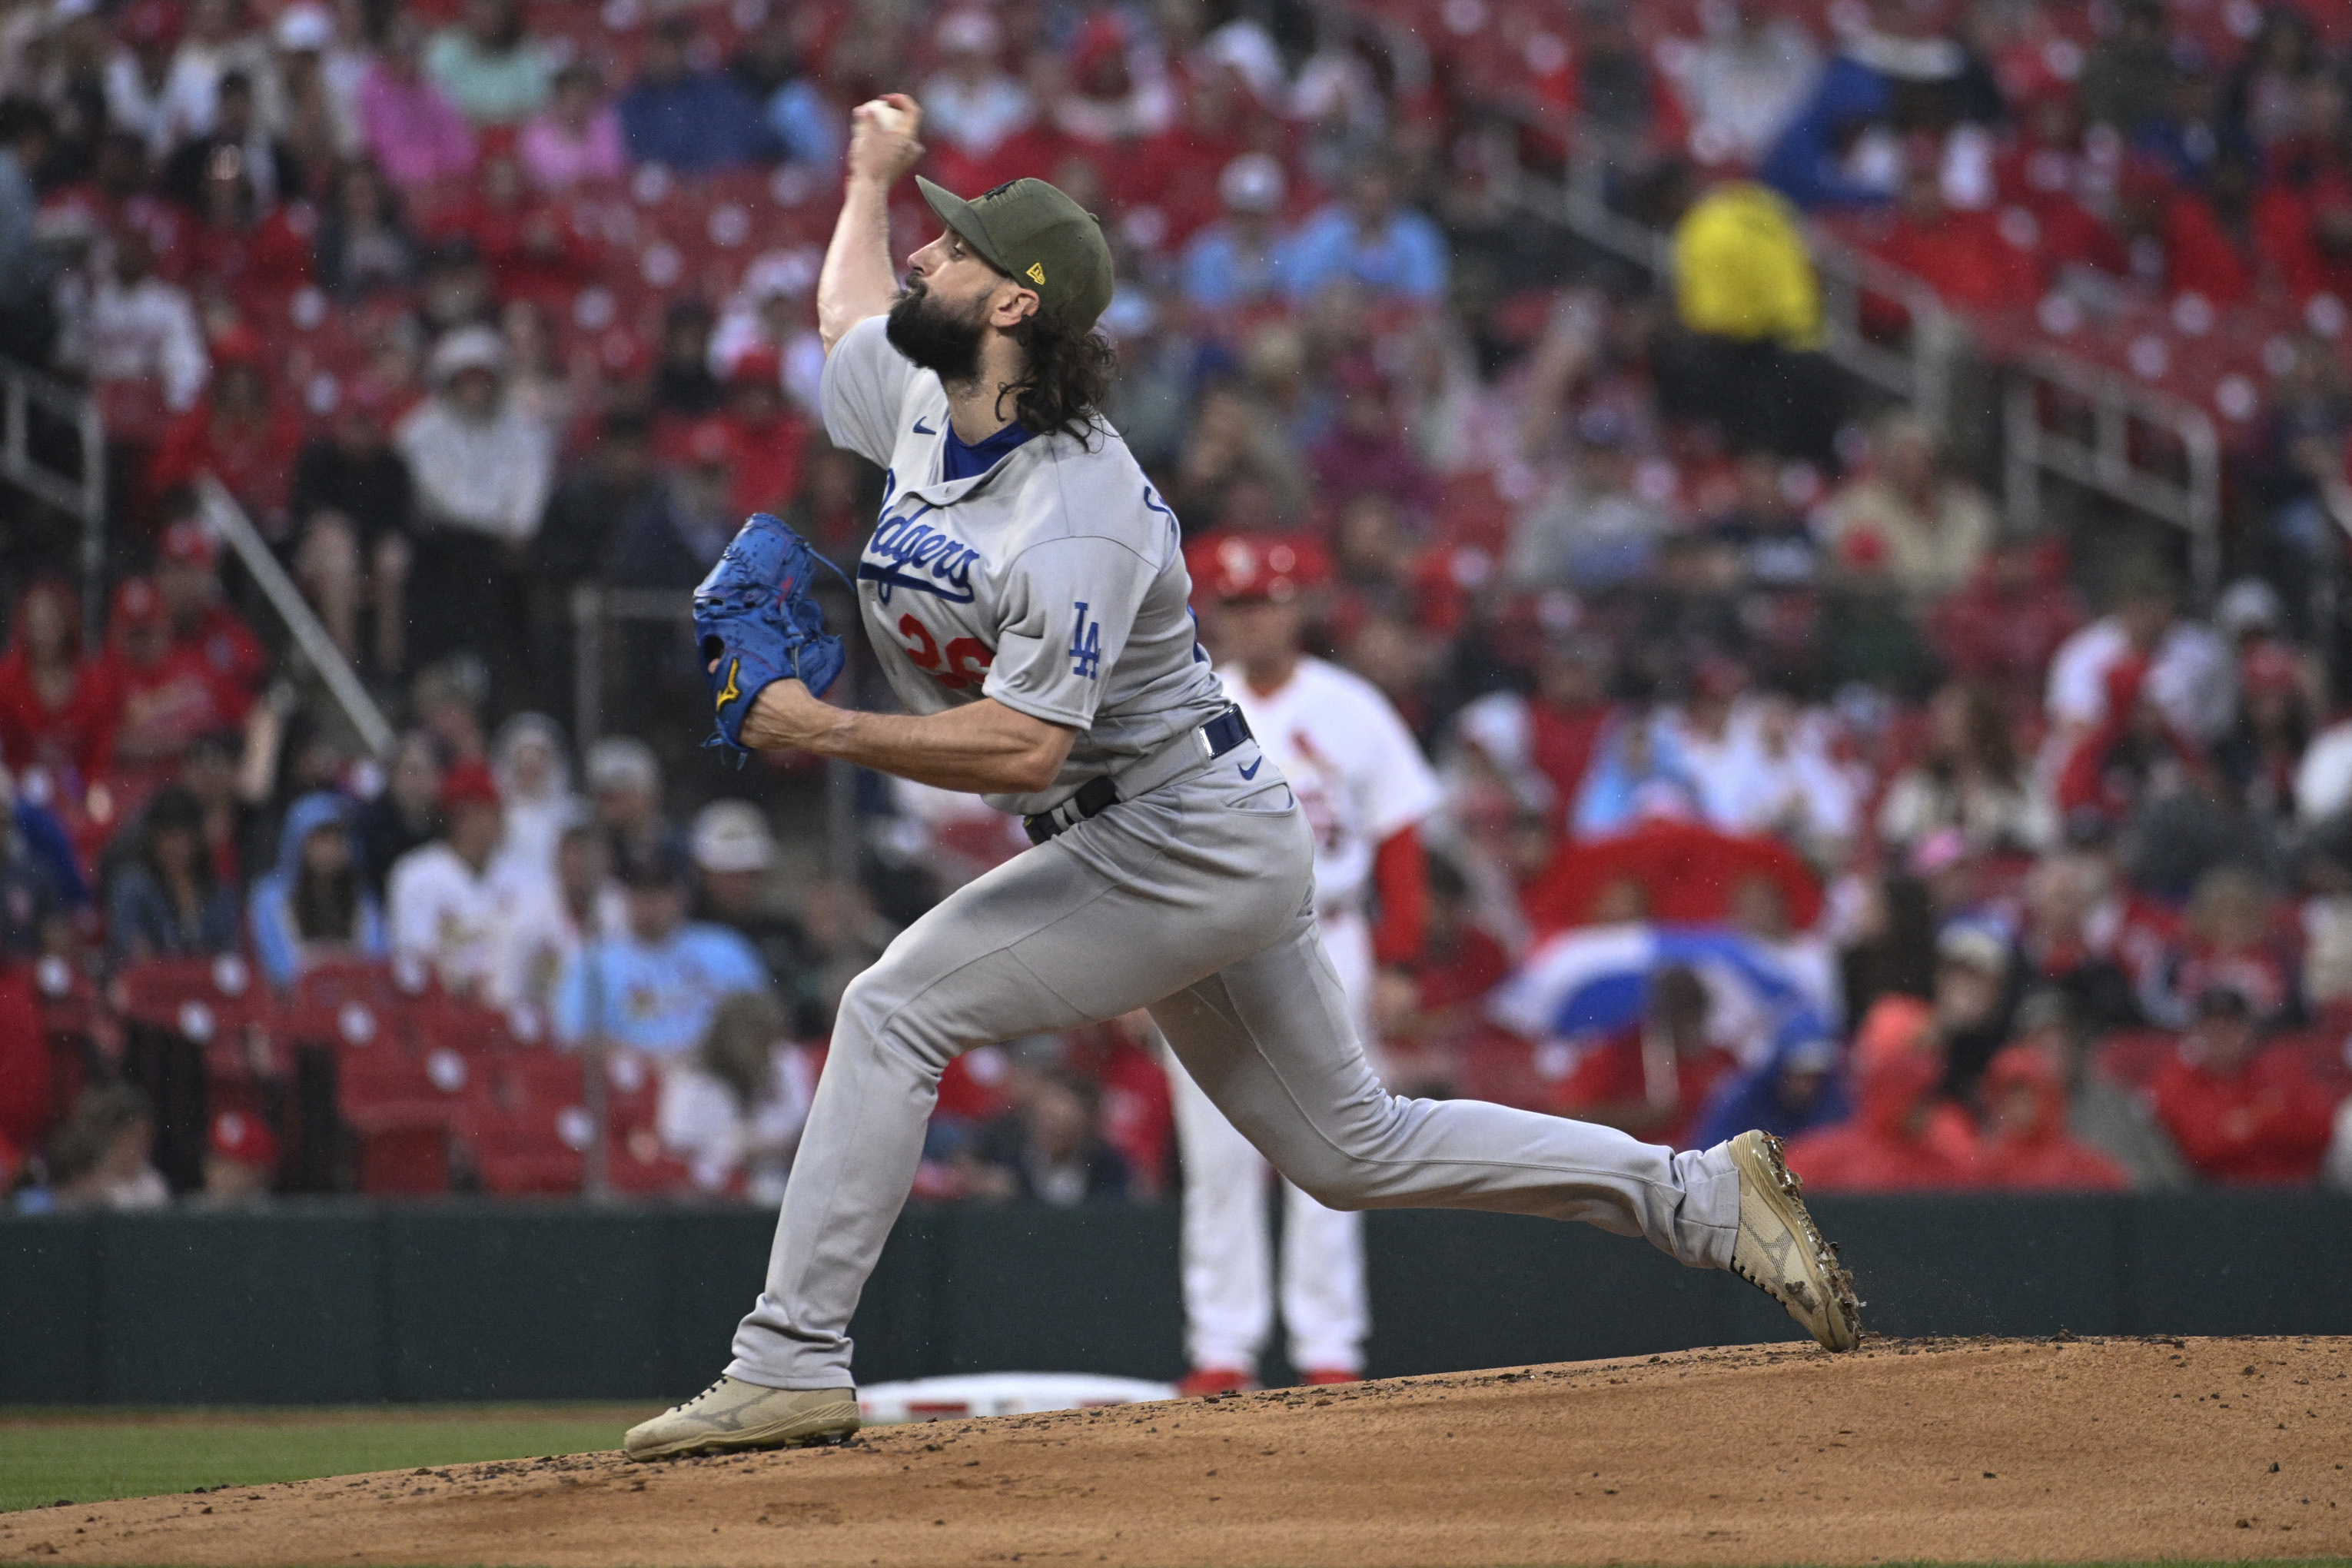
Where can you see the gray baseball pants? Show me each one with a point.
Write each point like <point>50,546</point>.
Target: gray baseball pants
<point>1195,900</point>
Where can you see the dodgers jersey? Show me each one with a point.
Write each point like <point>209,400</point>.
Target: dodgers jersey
<point>1053,583</point>
<point>1357,770</point>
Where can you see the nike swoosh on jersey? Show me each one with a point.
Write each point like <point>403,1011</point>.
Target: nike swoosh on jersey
<point>923,429</point>
<point>1251,772</point>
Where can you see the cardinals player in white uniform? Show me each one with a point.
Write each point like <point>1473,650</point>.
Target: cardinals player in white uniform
<point>1364,786</point>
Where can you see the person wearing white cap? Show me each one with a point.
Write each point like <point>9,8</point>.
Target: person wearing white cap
<point>482,469</point>
<point>972,104</point>
<point>482,466</point>
<point>1230,265</point>
<point>321,94</point>
<point>624,782</point>
<point>732,853</point>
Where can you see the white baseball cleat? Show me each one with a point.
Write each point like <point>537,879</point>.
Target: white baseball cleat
<point>732,1414</point>
<point>1780,1251</point>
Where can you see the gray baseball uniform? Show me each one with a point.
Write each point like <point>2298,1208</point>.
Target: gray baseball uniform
<point>1055,583</point>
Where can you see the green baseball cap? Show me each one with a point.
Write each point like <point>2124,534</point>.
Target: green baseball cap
<point>1032,233</point>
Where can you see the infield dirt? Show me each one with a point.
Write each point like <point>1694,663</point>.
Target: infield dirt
<point>1971,1450</point>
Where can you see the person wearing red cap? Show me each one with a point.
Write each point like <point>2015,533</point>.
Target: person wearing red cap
<point>240,1161</point>
<point>769,436</point>
<point>2273,731</point>
<point>1901,1138</point>
<point>1364,786</point>
<point>136,78</point>
<point>166,696</point>
<point>444,903</point>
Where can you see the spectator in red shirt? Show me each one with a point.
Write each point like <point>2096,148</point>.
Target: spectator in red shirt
<point>1901,1137</point>
<point>2229,940</point>
<point>523,239</point>
<point>2027,1147</point>
<point>238,434</point>
<point>2136,755</point>
<point>169,697</point>
<point>1176,173</point>
<point>1653,1079</point>
<point>1366,449</point>
<point>56,707</point>
<point>2240,1113</point>
<point>2007,623</point>
<point>1460,963</point>
<point>768,438</point>
<point>1964,256</point>
<point>204,628</point>
<point>2304,231</point>
<point>252,254</point>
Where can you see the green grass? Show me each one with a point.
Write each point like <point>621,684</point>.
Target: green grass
<point>90,1457</point>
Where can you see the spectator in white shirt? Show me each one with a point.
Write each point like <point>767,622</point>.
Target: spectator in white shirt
<point>213,44</point>
<point>444,906</point>
<point>138,73</point>
<point>735,1108</point>
<point>483,467</point>
<point>1742,84</point>
<point>2191,678</point>
<point>143,329</point>
<point>550,918</point>
<point>534,784</point>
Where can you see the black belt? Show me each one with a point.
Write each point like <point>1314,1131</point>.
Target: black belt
<point>1099,794</point>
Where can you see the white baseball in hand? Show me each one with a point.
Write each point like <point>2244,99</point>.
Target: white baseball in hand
<point>888,117</point>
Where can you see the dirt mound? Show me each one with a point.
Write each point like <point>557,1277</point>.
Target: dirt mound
<point>1945,1449</point>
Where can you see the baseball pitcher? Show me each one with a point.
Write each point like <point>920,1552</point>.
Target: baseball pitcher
<point>1025,593</point>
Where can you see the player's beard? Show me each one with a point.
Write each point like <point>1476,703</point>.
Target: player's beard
<point>934,336</point>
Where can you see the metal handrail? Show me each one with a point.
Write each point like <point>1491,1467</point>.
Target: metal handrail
<point>2105,462</point>
<point>225,520</point>
<point>1920,372</point>
<point>83,495</point>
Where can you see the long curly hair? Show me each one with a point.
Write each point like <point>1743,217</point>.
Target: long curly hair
<point>1067,381</point>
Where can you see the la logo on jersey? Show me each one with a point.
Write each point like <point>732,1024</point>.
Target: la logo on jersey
<point>1085,646</point>
<point>907,552</point>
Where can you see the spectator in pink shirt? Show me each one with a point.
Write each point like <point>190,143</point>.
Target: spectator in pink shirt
<point>576,138</point>
<point>414,133</point>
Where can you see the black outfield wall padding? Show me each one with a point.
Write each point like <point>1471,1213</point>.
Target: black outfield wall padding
<point>346,1302</point>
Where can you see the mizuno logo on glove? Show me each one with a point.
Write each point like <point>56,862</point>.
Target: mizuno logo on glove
<point>754,623</point>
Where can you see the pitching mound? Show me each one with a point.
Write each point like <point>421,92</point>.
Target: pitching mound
<point>1948,1449</point>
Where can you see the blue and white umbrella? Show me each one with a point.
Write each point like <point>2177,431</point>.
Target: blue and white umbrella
<point>1584,984</point>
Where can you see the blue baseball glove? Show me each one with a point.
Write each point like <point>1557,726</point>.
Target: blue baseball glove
<point>755,622</point>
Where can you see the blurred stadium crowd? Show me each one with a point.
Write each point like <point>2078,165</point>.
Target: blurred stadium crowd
<point>1785,785</point>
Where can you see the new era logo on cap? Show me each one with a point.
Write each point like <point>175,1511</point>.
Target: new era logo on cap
<point>1029,230</point>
